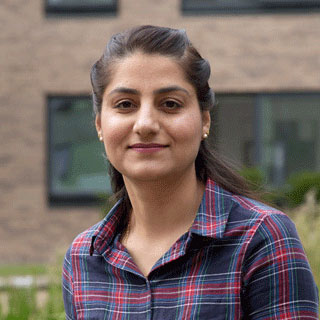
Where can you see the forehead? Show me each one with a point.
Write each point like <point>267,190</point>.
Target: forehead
<point>147,71</point>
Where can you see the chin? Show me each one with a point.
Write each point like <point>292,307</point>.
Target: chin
<point>146,174</point>
<point>149,177</point>
<point>156,175</point>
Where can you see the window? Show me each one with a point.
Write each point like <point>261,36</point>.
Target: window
<point>248,6</point>
<point>276,132</point>
<point>77,169</point>
<point>81,6</point>
<point>279,132</point>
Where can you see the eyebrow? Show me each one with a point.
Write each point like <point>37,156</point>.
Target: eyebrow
<point>158,91</point>
<point>170,89</point>
<point>124,90</point>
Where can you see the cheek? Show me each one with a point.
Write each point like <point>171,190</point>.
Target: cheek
<point>188,129</point>
<point>114,132</point>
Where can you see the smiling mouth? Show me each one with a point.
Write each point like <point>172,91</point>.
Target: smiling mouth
<point>147,147</point>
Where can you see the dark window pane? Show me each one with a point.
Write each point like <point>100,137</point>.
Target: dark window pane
<point>235,128</point>
<point>81,6</point>
<point>290,131</point>
<point>76,164</point>
<point>279,133</point>
<point>247,6</point>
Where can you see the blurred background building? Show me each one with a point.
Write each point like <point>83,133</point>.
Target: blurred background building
<point>265,58</point>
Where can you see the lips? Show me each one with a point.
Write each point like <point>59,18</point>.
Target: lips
<point>147,147</point>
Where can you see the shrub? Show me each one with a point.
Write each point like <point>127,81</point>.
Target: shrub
<point>299,184</point>
<point>254,177</point>
<point>22,302</point>
<point>257,183</point>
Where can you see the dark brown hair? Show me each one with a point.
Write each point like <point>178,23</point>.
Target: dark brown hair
<point>175,44</point>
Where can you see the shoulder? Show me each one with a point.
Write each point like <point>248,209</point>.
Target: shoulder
<point>223,214</point>
<point>82,242</point>
<point>253,208</point>
<point>259,225</point>
<point>269,234</point>
<point>258,215</point>
<point>275,271</point>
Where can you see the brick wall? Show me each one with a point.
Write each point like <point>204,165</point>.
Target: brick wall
<point>42,55</point>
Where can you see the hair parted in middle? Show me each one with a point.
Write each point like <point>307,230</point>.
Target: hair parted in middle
<point>175,44</point>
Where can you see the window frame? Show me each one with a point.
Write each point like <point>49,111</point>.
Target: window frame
<point>86,199</point>
<point>66,199</point>
<point>192,7</point>
<point>88,9</point>
<point>258,144</point>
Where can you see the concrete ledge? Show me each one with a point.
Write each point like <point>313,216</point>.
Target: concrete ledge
<point>23,282</point>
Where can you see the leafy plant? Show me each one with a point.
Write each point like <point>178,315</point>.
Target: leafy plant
<point>22,304</point>
<point>254,177</point>
<point>299,184</point>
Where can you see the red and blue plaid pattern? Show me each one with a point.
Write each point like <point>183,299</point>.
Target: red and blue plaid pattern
<point>240,260</point>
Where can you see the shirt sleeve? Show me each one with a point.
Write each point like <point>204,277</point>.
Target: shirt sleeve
<point>67,287</point>
<point>277,278</point>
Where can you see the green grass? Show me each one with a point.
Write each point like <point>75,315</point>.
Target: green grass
<point>22,303</point>
<point>22,270</point>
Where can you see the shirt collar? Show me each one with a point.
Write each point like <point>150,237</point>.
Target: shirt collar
<point>106,231</point>
<point>213,212</point>
<point>210,220</point>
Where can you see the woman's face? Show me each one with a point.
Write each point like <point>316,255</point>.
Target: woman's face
<point>150,119</point>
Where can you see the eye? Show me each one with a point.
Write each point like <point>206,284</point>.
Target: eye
<point>124,105</point>
<point>171,105</point>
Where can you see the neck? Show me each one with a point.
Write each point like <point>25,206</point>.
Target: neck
<point>162,207</point>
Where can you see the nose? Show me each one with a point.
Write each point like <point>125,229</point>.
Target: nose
<point>147,121</point>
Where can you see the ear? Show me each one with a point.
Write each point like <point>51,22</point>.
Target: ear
<point>98,123</point>
<point>206,121</point>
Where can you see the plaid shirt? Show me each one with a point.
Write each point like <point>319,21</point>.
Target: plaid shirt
<point>240,260</point>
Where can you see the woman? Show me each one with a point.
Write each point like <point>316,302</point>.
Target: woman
<point>185,239</point>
